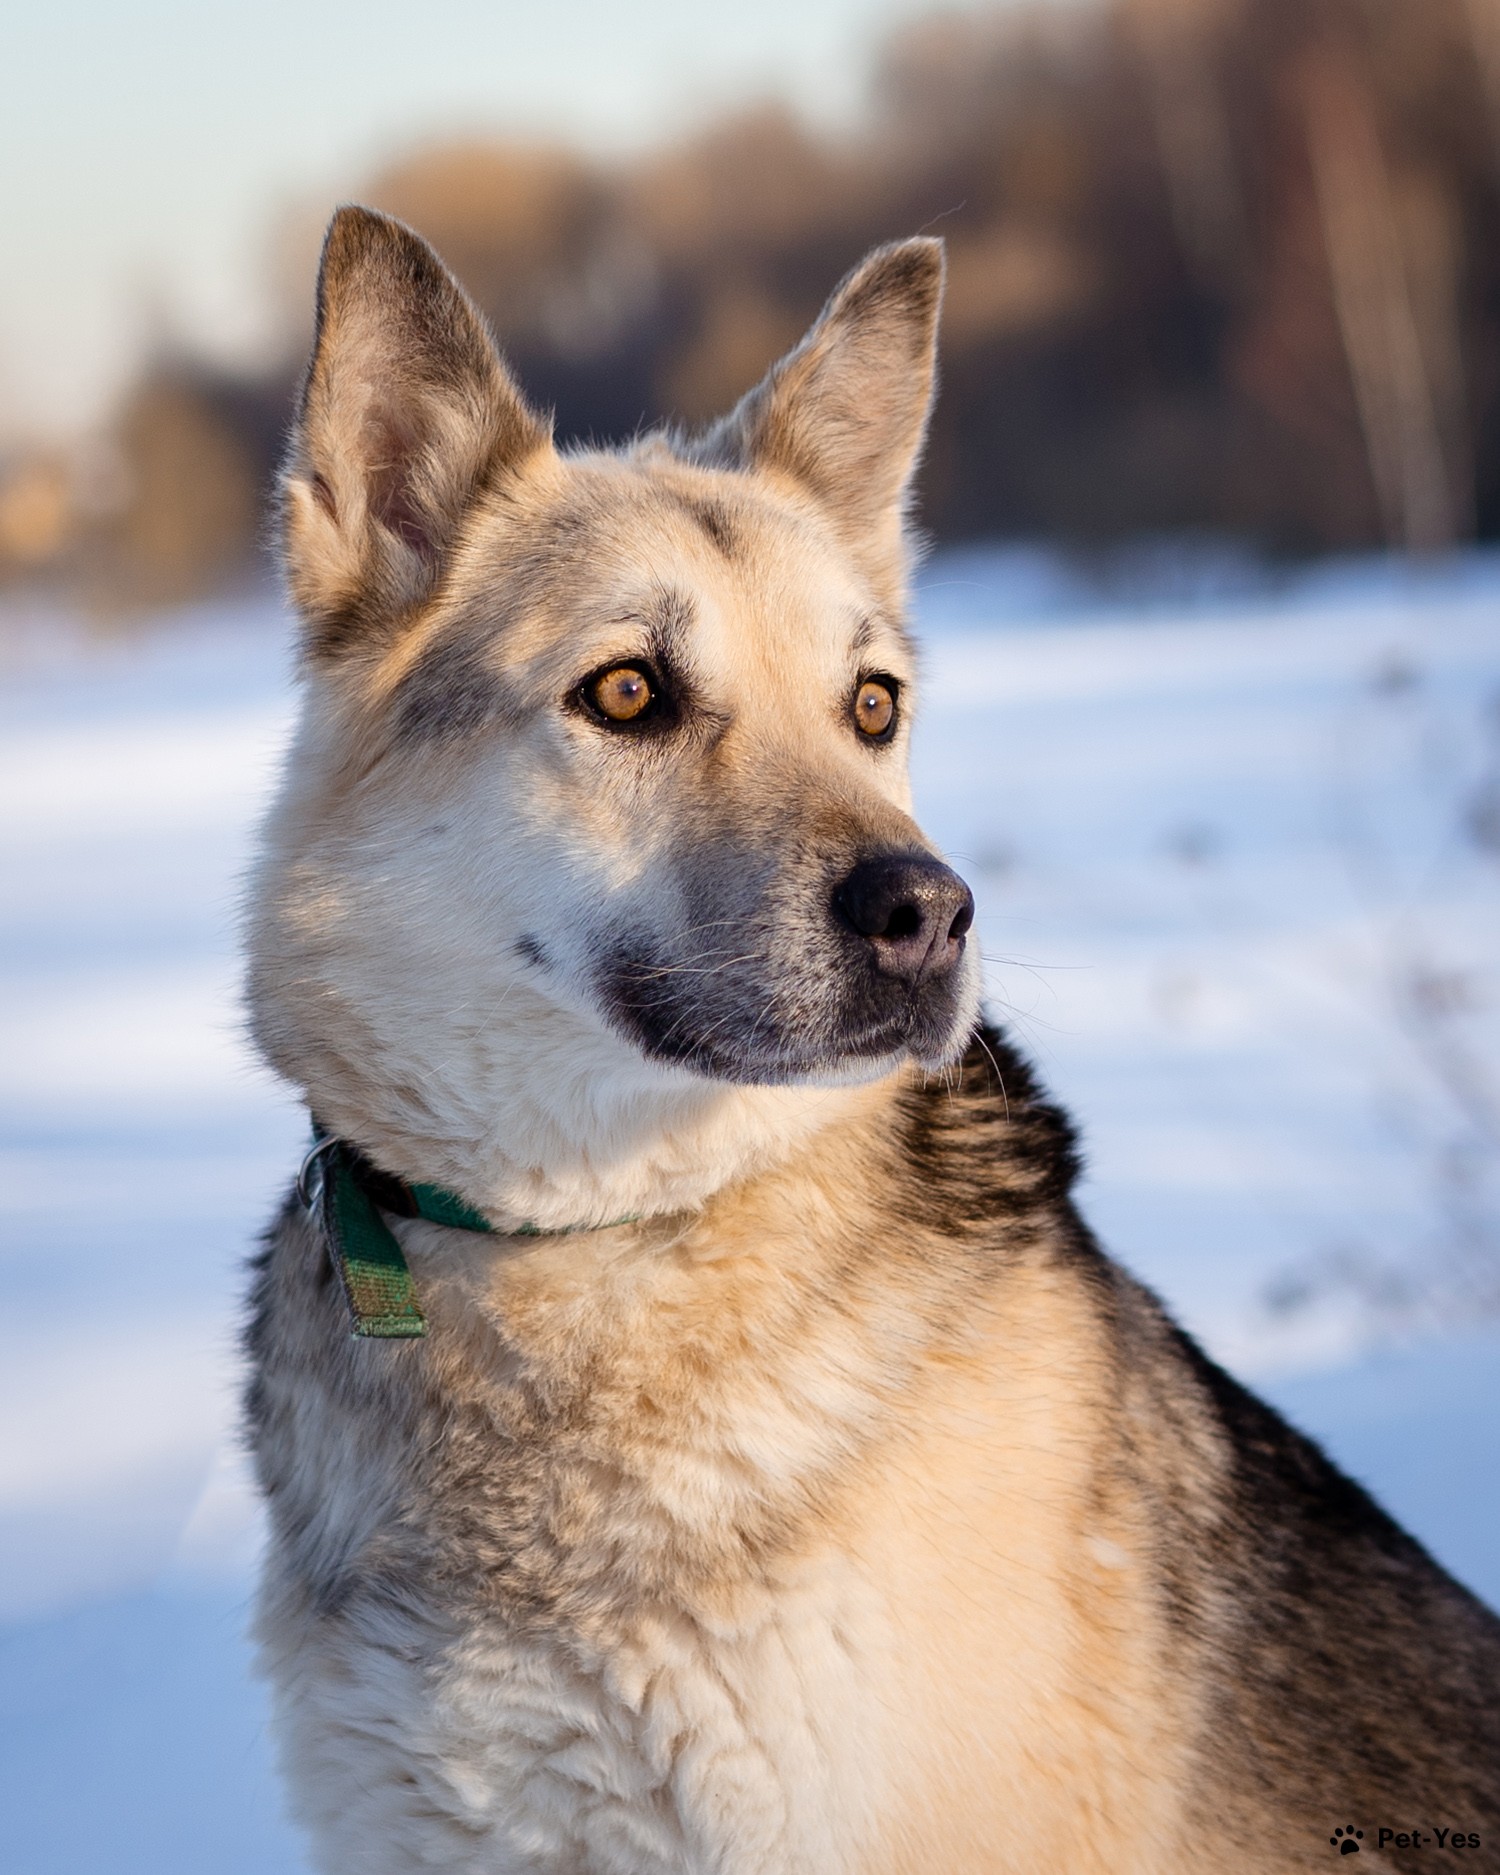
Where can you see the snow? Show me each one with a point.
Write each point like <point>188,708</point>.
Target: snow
<point>1236,848</point>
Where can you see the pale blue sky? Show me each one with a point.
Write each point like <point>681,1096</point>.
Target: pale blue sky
<point>148,149</point>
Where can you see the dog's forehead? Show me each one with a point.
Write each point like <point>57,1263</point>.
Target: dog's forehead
<point>740,571</point>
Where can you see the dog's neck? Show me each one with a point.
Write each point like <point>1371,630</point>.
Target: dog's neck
<point>559,1124</point>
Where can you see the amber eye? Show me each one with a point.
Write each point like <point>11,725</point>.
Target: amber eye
<point>875,708</point>
<point>620,695</point>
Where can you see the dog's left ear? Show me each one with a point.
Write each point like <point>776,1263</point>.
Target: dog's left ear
<point>845,414</point>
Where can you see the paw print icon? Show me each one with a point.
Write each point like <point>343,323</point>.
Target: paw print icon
<point>1347,1841</point>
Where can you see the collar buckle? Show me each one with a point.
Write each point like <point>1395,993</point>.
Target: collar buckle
<point>311,1176</point>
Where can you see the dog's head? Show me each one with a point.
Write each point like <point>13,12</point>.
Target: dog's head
<point>604,750</point>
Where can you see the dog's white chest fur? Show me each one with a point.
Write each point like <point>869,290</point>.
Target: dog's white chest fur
<point>751,1751</point>
<point>621,1638</point>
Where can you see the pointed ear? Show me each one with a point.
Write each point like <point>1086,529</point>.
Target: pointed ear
<point>845,414</point>
<point>406,413</point>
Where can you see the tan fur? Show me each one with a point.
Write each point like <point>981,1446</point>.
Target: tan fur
<point>844,1512</point>
<point>873,1569</point>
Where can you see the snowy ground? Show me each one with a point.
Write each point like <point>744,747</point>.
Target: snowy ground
<point>1238,862</point>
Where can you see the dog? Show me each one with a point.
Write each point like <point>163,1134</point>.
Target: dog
<point>743,1461</point>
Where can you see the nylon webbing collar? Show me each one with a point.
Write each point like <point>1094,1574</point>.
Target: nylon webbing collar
<point>347,1194</point>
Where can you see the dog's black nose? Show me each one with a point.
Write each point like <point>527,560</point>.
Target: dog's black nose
<point>913,909</point>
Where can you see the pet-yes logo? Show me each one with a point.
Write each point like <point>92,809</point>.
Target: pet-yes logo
<point>1348,1840</point>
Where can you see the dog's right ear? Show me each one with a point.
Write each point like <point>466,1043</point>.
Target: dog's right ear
<point>407,412</point>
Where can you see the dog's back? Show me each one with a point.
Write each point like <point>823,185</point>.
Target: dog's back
<point>1358,1677</point>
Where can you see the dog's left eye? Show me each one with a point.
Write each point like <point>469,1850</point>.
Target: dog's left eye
<point>621,694</point>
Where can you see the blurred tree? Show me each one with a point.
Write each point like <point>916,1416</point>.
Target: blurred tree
<point>35,512</point>
<point>187,513</point>
<point>1223,265</point>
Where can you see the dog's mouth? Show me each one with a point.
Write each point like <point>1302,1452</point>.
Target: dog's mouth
<point>880,973</point>
<point>766,1052</point>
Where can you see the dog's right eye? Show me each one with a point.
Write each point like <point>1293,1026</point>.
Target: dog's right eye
<point>621,694</point>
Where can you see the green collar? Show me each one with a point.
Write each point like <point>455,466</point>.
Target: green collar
<point>347,1194</point>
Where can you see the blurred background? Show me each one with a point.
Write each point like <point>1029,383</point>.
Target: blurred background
<point>1225,267</point>
<point>1212,713</point>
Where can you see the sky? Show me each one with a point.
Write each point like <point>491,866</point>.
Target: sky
<point>149,150</point>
